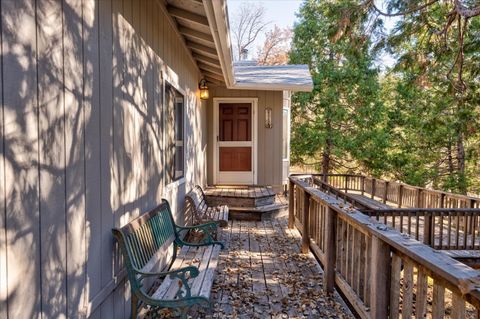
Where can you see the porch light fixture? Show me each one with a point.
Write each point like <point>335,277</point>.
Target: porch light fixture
<point>203,89</point>
<point>268,117</point>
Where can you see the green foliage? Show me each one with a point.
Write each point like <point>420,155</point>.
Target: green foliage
<point>343,117</point>
<point>418,122</point>
<point>432,99</point>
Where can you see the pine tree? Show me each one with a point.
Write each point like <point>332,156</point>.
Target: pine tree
<point>340,124</point>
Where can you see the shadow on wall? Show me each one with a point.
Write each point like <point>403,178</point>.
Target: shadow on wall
<point>82,149</point>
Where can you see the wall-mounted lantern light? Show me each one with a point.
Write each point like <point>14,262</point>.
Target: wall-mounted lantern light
<point>268,117</point>
<point>203,89</point>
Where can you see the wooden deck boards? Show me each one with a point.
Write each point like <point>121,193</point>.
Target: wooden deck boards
<point>262,274</point>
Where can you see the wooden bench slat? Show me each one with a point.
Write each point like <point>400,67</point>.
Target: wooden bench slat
<point>191,259</point>
<point>198,281</point>
<point>158,294</point>
<point>210,273</point>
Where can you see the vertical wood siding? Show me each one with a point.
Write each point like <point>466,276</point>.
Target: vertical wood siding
<point>81,142</point>
<point>269,141</point>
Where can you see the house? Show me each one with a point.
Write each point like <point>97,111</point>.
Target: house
<point>101,118</point>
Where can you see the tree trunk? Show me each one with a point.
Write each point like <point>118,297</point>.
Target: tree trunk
<point>462,187</point>
<point>451,169</point>
<point>461,178</point>
<point>327,150</point>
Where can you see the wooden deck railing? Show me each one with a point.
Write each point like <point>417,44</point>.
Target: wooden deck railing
<point>402,195</point>
<point>440,228</point>
<point>383,273</point>
<point>449,228</point>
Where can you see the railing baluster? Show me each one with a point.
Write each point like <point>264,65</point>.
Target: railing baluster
<point>291,205</point>
<point>306,223</point>
<point>427,229</point>
<point>330,249</point>
<point>380,279</point>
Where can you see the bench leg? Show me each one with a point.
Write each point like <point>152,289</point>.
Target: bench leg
<point>181,312</point>
<point>134,310</point>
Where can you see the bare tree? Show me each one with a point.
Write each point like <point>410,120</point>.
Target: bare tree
<point>274,50</point>
<point>246,26</point>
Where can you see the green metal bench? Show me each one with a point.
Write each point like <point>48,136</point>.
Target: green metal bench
<point>150,244</point>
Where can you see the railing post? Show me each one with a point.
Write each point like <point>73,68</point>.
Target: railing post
<point>363,185</point>
<point>400,196</point>
<point>380,266</point>
<point>346,183</point>
<point>385,193</point>
<point>442,200</point>
<point>373,187</point>
<point>291,204</point>
<point>419,198</point>
<point>330,250</point>
<point>306,223</point>
<point>427,229</point>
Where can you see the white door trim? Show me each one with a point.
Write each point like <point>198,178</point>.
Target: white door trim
<point>240,178</point>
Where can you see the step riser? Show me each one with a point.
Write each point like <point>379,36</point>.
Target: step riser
<point>240,202</point>
<point>257,216</point>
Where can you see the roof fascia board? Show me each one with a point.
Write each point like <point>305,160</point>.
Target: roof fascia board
<point>273,87</point>
<point>216,11</point>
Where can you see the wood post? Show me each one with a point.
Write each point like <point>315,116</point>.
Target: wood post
<point>419,198</point>
<point>373,187</point>
<point>442,200</point>
<point>346,183</point>
<point>400,196</point>
<point>306,223</point>
<point>363,185</point>
<point>331,250</point>
<point>427,229</point>
<point>291,205</point>
<point>380,267</point>
<point>385,193</point>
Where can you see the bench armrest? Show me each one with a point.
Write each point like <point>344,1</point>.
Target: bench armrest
<point>209,226</point>
<point>172,273</point>
<point>181,274</point>
<point>206,229</point>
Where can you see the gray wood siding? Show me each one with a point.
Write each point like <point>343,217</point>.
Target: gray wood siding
<point>269,143</point>
<point>82,147</point>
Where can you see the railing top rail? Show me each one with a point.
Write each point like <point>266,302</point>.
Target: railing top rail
<point>454,273</point>
<point>422,210</point>
<point>439,192</point>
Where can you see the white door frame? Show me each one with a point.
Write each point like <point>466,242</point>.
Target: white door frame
<point>238,178</point>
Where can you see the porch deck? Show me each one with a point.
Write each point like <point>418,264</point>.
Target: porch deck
<point>262,274</point>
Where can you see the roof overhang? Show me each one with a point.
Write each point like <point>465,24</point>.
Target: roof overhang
<point>294,77</point>
<point>205,32</point>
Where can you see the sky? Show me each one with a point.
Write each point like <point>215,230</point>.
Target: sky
<point>279,12</point>
<point>283,13</point>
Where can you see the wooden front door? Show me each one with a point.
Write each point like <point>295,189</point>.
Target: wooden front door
<point>235,143</point>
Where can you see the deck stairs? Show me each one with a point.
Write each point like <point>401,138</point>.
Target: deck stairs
<point>253,203</point>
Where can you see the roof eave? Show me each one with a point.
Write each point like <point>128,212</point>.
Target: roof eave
<point>274,87</point>
<point>217,15</point>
